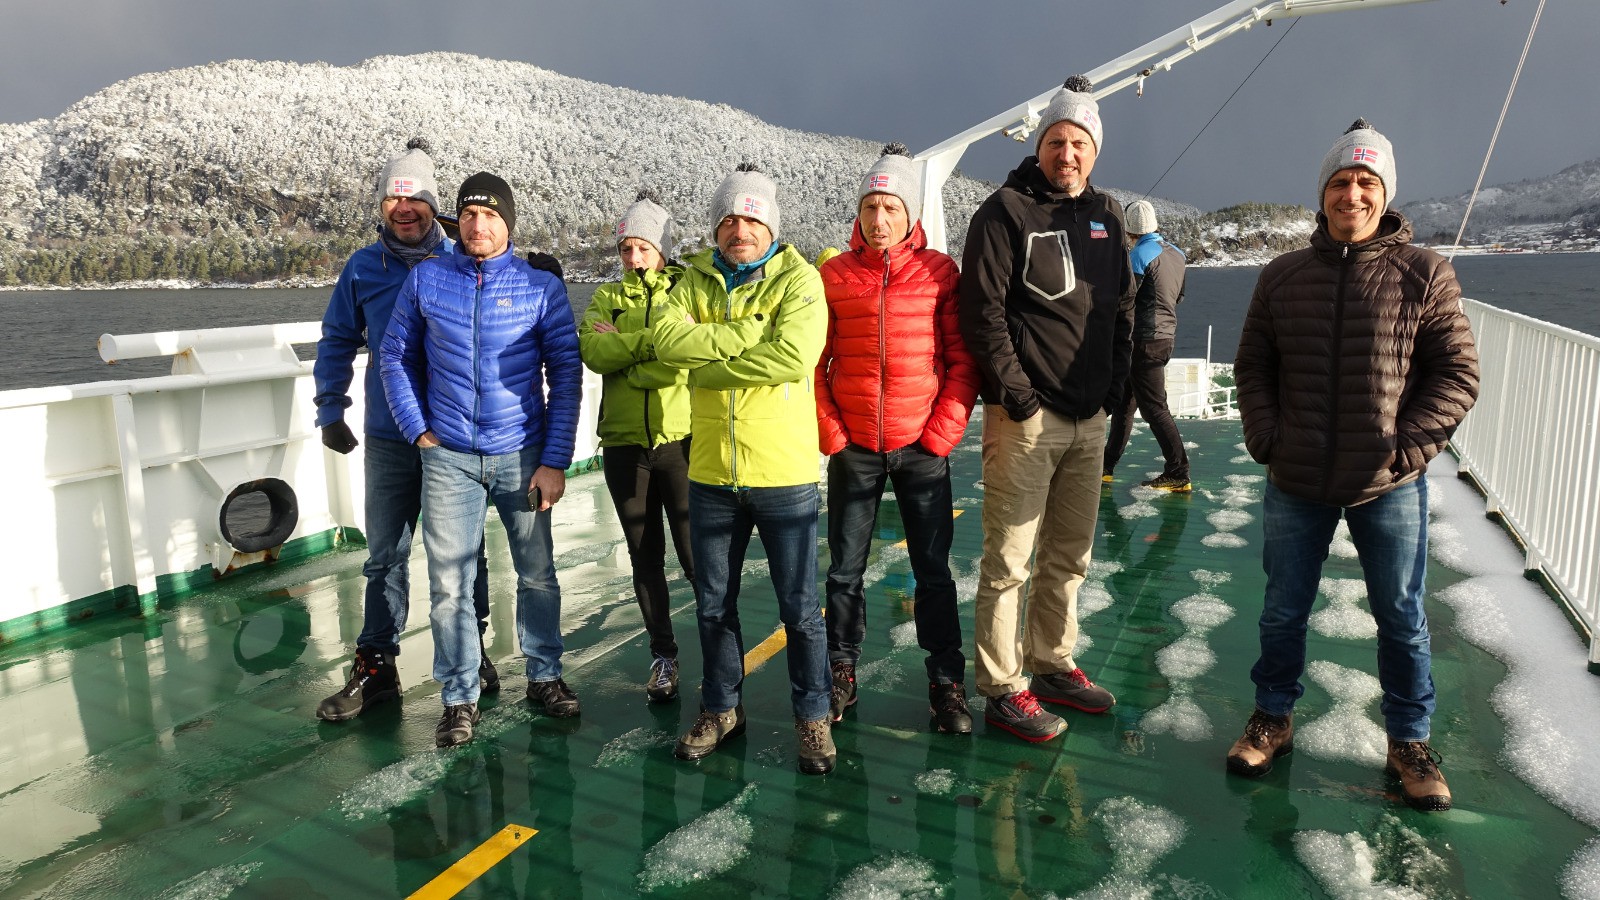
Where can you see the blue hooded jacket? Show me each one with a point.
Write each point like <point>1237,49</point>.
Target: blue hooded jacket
<point>469,350</point>
<point>357,316</point>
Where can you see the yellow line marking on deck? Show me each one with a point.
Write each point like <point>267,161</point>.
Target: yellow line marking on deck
<point>954,514</point>
<point>451,881</point>
<point>765,650</point>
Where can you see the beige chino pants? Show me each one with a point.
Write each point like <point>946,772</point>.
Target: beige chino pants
<point>1041,492</point>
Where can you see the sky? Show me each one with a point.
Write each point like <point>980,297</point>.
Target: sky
<point>1431,76</point>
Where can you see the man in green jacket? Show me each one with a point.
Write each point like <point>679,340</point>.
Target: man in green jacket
<point>748,320</point>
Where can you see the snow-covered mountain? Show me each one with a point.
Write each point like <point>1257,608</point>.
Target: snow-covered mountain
<point>1560,211</point>
<point>242,169</point>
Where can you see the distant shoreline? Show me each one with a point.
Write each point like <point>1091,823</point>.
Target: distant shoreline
<point>309,283</point>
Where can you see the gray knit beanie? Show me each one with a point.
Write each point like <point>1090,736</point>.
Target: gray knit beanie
<point>647,220</point>
<point>1361,146</point>
<point>410,175</point>
<point>749,193</point>
<point>1141,217</point>
<point>1073,103</point>
<point>895,173</point>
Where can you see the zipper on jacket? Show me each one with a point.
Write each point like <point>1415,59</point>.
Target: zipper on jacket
<point>733,401</point>
<point>1333,372</point>
<point>477,394</point>
<point>649,439</point>
<point>883,354</point>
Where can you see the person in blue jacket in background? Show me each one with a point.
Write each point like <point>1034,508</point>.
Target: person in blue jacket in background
<point>358,313</point>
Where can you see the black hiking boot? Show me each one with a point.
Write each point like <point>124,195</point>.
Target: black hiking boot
<point>488,675</point>
<point>948,704</point>
<point>455,726</point>
<point>373,679</point>
<point>554,697</point>
<point>843,695</point>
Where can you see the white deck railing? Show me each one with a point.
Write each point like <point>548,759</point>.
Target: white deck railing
<point>1532,444</point>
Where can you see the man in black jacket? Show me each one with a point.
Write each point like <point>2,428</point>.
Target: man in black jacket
<point>1158,270</point>
<point>1047,313</point>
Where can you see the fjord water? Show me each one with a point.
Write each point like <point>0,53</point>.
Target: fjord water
<point>48,337</point>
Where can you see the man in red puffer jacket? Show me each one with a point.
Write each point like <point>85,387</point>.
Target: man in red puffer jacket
<point>894,389</point>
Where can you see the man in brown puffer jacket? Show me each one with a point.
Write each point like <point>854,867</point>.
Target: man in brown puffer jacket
<point>1355,366</point>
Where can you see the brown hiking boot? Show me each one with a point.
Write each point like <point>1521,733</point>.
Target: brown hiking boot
<point>817,752</point>
<point>1417,766</point>
<point>1266,737</point>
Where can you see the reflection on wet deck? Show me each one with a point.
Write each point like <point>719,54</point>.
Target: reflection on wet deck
<point>178,756</point>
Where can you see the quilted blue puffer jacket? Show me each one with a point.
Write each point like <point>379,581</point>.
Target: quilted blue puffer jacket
<point>469,348</point>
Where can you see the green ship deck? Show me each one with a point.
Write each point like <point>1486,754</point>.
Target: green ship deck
<point>177,756</point>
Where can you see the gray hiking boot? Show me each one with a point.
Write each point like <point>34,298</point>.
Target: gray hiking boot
<point>709,731</point>
<point>817,753</point>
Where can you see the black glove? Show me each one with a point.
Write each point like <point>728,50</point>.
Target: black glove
<point>546,262</point>
<point>338,437</point>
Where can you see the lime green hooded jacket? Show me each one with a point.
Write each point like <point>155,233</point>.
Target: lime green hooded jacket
<point>751,356</point>
<point>645,403</point>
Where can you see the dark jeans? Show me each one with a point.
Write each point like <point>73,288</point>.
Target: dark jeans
<point>722,521</point>
<point>921,481</point>
<point>643,482</point>
<point>393,502</point>
<point>1391,538</point>
<point>1147,392</point>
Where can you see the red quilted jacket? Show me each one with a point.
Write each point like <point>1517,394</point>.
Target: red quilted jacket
<point>894,370</point>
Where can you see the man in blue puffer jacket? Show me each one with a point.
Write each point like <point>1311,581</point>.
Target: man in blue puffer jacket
<point>473,339</point>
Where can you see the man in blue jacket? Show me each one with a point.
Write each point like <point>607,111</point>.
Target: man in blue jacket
<point>474,338</point>
<point>358,313</point>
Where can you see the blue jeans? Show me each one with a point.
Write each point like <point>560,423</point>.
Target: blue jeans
<point>1391,538</point>
<point>856,477</point>
<point>394,500</point>
<point>720,522</point>
<point>454,487</point>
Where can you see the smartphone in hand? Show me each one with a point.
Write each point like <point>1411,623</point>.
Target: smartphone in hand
<point>535,497</point>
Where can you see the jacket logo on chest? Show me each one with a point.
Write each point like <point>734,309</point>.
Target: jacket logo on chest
<point>1097,229</point>
<point>504,301</point>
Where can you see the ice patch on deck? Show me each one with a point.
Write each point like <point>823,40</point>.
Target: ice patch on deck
<point>1342,547</point>
<point>626,748</point>
<point>888,556</point>
<point>1137,510</point>
<point>1223,540</point>
<point>1201,612</point>
<point>1185,659</point>
<point>896,876</point>
<point>418,774</point>
<point>1344,616</point>
<point>935,781</point>
<point>881,674</point>
<point>1180,717</point>
<point>1397,865</point>
<point>1230,519</point>
<point>1344,732</point>
<point>1581,877</point>
<point>903,636</point>
<point>1092,598</point>
<point>213,884</point>
<point>708,846</point>
<point>1210,579</point>
<point>586,553</point>
<point>1139,836</point>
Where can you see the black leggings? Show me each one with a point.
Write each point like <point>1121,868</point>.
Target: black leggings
<point>643,482</point>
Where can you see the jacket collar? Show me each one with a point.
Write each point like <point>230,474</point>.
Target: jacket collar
<point>1394,230</point>
<point>491,267</point>
<point>897,255</point>
<point>1028,178</point>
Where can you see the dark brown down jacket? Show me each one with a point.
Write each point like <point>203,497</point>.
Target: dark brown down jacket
<point>1355,365</point>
